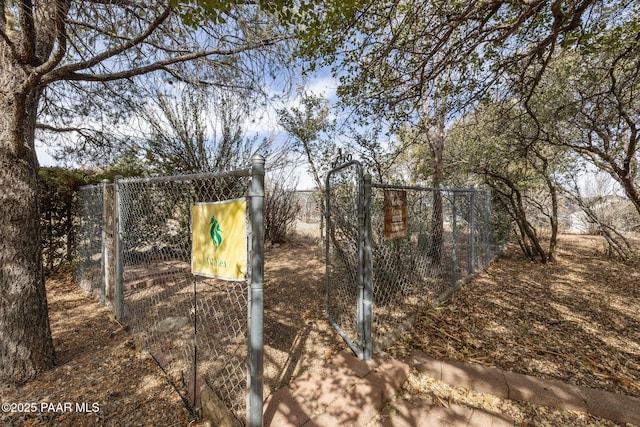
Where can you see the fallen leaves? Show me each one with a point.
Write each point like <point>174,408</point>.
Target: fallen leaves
<point>577,320</point>
<point>97,365</point>
<point>422,386</point>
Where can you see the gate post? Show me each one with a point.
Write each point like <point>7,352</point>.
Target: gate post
<point>454,250</point>
<point>256,328</point>
<point>367,274</point>
<point>105,259</point>
<point>118,251</point>
<point>472,230</point>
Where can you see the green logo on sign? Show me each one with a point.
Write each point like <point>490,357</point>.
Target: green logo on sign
<point>216,232</point>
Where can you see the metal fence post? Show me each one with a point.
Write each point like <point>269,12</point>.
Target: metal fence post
<point>472,230</point>
<point>454,249</point>
<point>488,249</point>
<point>360,267</point>
<point>256,339</point>
<point>367,274</point>
<point>104,258</point>
<point>118,252</point>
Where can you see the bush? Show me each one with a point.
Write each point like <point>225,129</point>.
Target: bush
<point>281,208</point>
<point>58,187</point>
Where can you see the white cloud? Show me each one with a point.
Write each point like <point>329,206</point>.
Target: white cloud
<point>325,86</point>
<point>44,158</point>
<point>266,117</point>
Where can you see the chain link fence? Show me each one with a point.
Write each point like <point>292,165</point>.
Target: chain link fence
<point>196,328</point>
<point>344,254</point>
<point>164,303</point>
<point>310,211</point>
<point>393,250</point>
<point>448,236</point>
<point>88,258</point>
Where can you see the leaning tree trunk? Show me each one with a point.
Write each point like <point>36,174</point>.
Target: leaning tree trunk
<point>26,347</point>
<point>436,147</point>
<point>553,240</point>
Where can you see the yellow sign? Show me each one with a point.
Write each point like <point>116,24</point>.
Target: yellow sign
<point>219,239</point>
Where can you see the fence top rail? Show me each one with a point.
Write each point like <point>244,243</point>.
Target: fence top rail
<point>90,187</point>
<point>185,177</point>
<point>355,163</point>
<point>421,188</point>
<point>189,177</point>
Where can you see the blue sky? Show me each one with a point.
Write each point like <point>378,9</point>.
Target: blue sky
<point>265,126</point>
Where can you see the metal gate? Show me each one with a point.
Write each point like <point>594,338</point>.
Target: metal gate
<point>425,243</point>
<point>348,280</point>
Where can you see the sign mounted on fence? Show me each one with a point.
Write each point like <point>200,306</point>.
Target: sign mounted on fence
<point>395,214</point>
<point>219,239</point>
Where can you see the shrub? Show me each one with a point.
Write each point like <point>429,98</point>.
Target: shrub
<point>281,208</point>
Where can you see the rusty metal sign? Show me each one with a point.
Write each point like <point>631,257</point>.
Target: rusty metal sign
<point>395,214</point>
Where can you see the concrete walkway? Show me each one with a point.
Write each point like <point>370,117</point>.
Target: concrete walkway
<point>350,392</point>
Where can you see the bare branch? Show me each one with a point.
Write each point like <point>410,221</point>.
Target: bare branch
<point>115,36</point>
<point>50,128</point>
<point>121,3</point>
<point>71,69</point>
<point>65,74</point>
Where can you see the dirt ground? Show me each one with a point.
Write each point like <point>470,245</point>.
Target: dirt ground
<point>100,367</point>
<point>99,364</point>
<point>577,320</point>
<point>297,337</point>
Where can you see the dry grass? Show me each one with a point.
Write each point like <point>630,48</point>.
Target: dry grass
<point>576,320</point>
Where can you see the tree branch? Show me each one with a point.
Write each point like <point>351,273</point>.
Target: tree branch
<point>61,8</point>
<point>66,74</point>
<point>70,70</point>
<point>27,53</point>
<point>121,3</point>
<point>51,128</point>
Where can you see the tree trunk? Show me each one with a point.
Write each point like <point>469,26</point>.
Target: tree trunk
<point>630,190</point>
<point>436,145</point>
<point>26,347</point>
<point>512,201</point>
<point>528,229</point>
<point>434,136</point>
<point>553,192</point>
<point>553,241</point>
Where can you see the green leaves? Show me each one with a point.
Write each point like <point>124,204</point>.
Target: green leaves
<point>305,15</point>
<point>195,12</point>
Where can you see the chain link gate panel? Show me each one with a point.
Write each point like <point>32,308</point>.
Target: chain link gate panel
<point>347,297</point>
<point>392,250</point>
<point>195,328</point>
